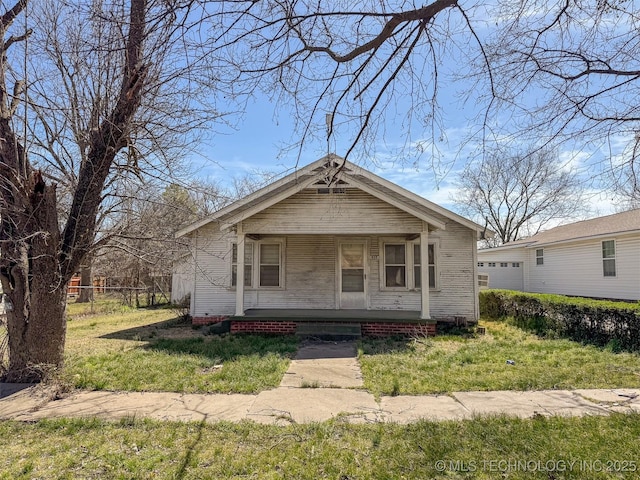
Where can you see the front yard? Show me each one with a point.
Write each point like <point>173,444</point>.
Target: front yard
<point>118,348</point>
<point>448,363</point>
<point>151,350</point>
<point>124,349</point>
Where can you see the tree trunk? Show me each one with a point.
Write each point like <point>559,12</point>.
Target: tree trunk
<point>34,285</point>
<point>86,282</point>
<point>36,259</point>
<point>36,341</point>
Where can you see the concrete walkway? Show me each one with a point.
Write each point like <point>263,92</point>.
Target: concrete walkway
<point>285,405</point>
<point>324,364</point>
<point>322,383</point>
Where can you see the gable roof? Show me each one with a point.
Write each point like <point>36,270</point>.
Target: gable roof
<point>617,223</point>
<point>333,171</point>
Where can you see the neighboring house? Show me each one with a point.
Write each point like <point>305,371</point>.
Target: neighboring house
<point>333,242</point>
<point>594,258</point>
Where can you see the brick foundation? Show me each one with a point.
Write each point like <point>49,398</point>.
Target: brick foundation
<point>264,326</point>
<point>276,327</point>
<point>209,320</point>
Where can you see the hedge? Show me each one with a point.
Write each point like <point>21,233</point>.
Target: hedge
<point>598,322</point>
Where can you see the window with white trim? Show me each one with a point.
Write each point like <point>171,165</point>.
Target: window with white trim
<point>504,264</point>
<point>395,265</point>
<point>248,264</point>
<point>609,258</point>
<point>540,256</point>
<point>431,264</point>
<point>270,265</point>
<point>481,264</point>
<point>516,264</point>
<point>492,264</point>
<point>263,264</point>
<point>398,259</point>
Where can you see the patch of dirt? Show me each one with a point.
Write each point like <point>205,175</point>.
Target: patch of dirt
<point>178,333</point>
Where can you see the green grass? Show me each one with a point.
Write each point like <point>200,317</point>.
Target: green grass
<point>149,350</point>
<point>449,363</point>
<point>165,450</point>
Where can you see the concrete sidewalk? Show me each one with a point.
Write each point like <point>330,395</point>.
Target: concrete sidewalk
<point>322,382</point>
<point>285,405</point>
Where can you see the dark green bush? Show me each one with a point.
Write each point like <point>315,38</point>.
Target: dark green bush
<point>597,322</point>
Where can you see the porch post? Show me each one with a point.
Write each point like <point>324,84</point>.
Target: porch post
<point>240,272</point>
<point>424,272</point>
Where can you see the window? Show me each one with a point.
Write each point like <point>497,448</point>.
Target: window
<point>248,264</point>
<point>481,264</point>
<point>492,264</point>
<point>540,256</point>
<point>516,264</point>
<point>269,265</point>
<point>416,266</point>
<point>262,264</point>
<point>609,258</point>
<point>395,265</point>
<point>504,264</point>
<point>401,265</point>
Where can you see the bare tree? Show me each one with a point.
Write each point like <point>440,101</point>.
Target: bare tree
<point>570,70</point>
<point>40,249</point>
<point>347,62</point>
<point>145,248</point>
<point>516,195</point>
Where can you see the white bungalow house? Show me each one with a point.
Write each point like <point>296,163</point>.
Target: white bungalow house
<point>597,258</point>
<point>333,243</point>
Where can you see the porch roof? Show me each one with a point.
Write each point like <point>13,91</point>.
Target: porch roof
<point>330,171</point>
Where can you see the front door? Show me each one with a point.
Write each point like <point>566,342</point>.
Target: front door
<point>352,275</point>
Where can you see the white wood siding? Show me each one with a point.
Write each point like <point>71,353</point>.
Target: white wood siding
<point>310,259</point>
<point>509,277</point>
<point>576,269</point>
<point>212,255</point>
<point>354,212</point>
<point>182,278</point>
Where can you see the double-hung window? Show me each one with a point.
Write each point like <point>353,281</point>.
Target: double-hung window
<point>540,256</point>
<point>262,264</point>
<point>431,264</point>
<point>269,265</point>
<point>248,265</point>
<point>609,258</point>
<point>395,265</point>
<point>402,265</point>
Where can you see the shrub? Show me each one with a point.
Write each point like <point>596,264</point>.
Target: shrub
<point>599,322</point>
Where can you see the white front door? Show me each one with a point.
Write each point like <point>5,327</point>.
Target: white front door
<point>352,275</point>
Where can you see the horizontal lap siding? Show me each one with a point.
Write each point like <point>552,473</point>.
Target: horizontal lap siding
<point>212,253</point>
<point>576,269</point>
<point>310,264</point>
<point>457,294</point>
<point>381,299</point>
<point>310,259</point>
<point>355,212</point>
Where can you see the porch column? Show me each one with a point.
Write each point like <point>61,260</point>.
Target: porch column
<point>240,272</point>
<point>424,273</point>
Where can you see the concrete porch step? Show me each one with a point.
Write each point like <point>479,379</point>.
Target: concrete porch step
<point>328,330</point>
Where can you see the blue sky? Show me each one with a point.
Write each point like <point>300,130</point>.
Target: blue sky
<point>262,132</point>
<point>256,145</point>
